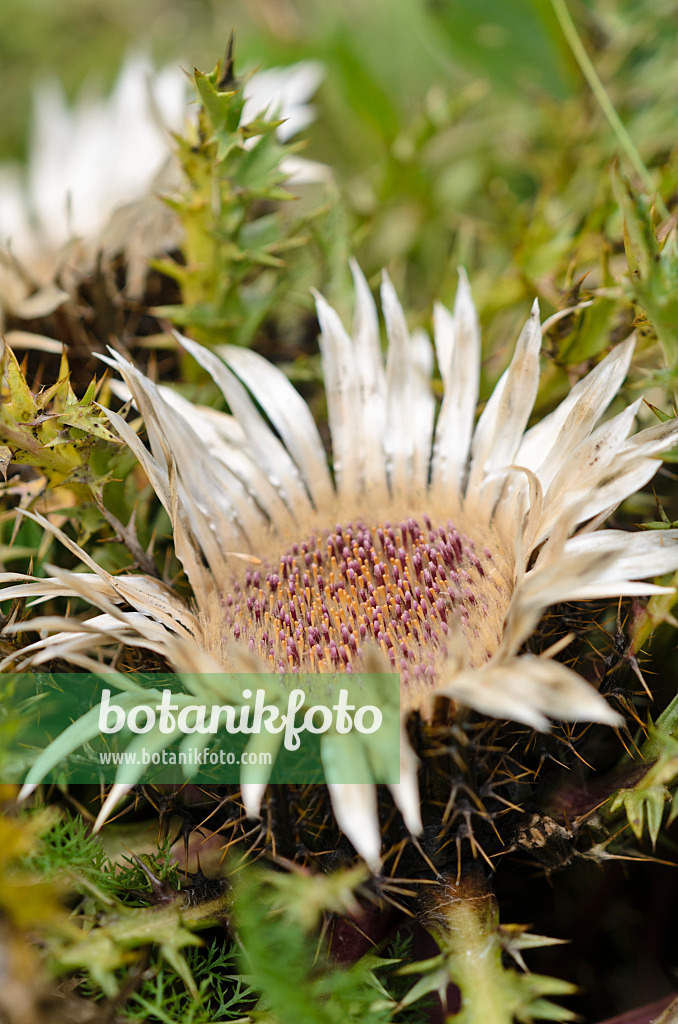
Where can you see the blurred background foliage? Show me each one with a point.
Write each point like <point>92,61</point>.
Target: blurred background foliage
<point>457,133</point>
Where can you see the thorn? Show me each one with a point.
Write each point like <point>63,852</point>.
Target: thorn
<point>227,77</point>
<point>417,845</point>
<point>159,887</point>
<point>199,873</point>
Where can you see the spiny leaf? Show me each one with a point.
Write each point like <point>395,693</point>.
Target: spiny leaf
<point>232,270</point>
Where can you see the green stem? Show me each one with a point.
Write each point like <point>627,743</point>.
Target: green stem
<point>463,919</point>
<point>598,90</point>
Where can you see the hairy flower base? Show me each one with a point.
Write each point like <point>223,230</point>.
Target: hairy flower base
<point>399,587</point>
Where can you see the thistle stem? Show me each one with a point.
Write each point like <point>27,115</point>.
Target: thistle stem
<point>462,917</point>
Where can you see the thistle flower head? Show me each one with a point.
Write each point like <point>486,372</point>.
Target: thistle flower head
<point>97,167</point>
<point>435,539</point>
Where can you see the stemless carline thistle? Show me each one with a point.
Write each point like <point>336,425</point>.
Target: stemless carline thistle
<point>432,547</point>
